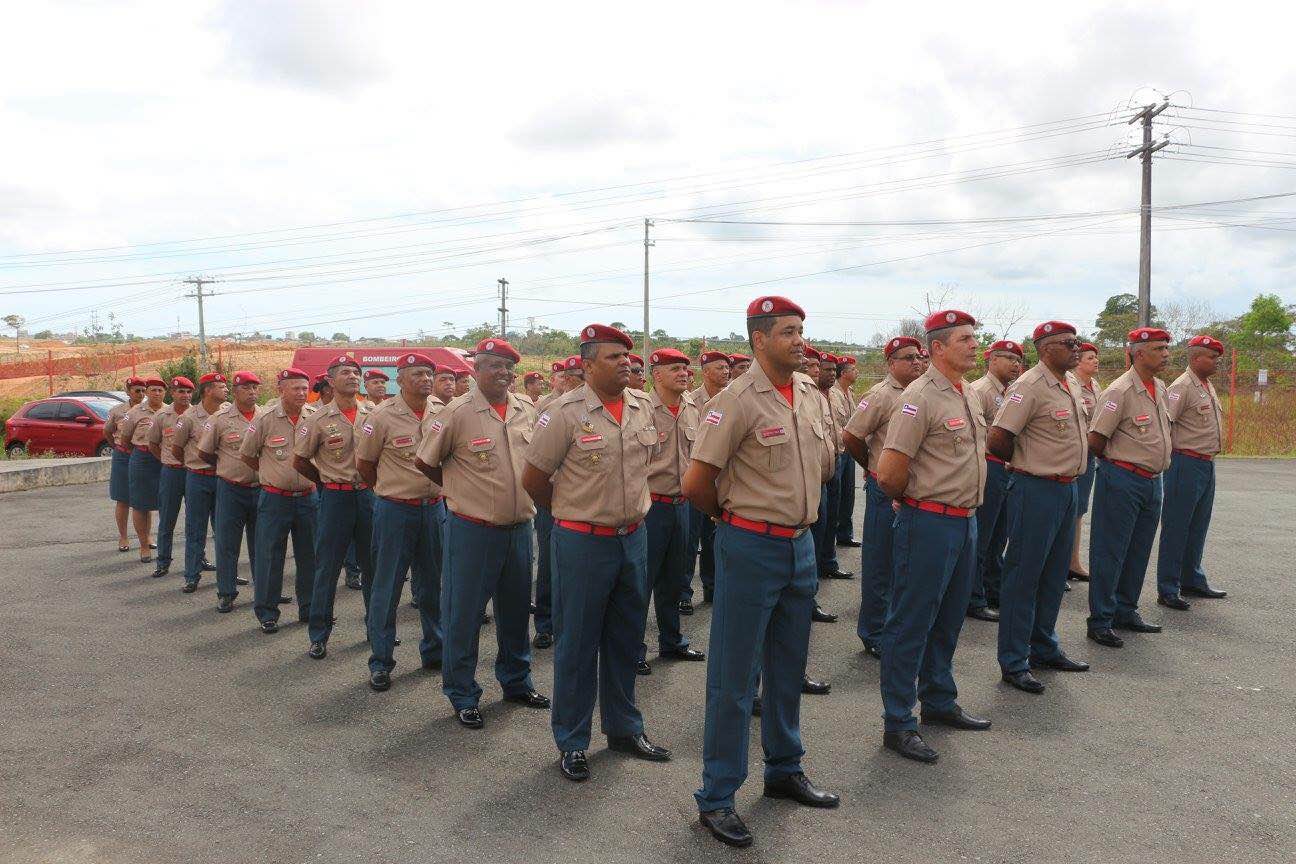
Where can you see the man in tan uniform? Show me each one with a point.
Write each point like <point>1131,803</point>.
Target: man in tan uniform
<point>171,485</point>
<point>1040,430</point>
<point>588,463</point>
<point>637,377</point>
<point>1088,389</point>
<point>758,469</point>
<point>837,412</point>
<point>863,437</point>
<point>533,386</point>
<point>701,549</point>
<point>287,506</point>
<point>738,365</point>
<point>200,477</point>
<point>237,486</point>
<point>474,450</point>
<point>375,386</point>
<point>1196,435</point>
<point>1130,431</point>
<point>934,466</point>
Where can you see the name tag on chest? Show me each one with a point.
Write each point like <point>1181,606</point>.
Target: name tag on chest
<point>276,440</point>
<point>955,423</point>
<point>1062,414</point>
<point>773,432</point>
<point>590,439</point>
<point>403,441</point>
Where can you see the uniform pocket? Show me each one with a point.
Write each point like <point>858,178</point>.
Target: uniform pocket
<point>775,440</point>
<point>591,449</point>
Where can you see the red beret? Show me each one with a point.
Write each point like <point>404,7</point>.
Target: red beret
<point>245,378</point>
<point>293,372</point>
<point>1013,347</point>
<point>182,381</point>
<point>667,356</point>
<point>923,353</point>
<point>813,353</point>
<point>499,348</point>
<point>134,381</point>
<point>533,376</point>
<point>1088,346</point>
<point>572,362</point>
<point>415,358</point>
<point>900,342</point>
<point>712,357</point>
<point>635,358</point>
<point>462,373</point>
<point>375,374</point>
<point>153,381</point>
<point>321,378</point>
<point>947,318</point>
<point>848,359</point>
<point>831,359</point>
<point>212,378</point>
<point>1204,341</point>
<point>1051,328</point>
<point>739,358</point>
<point>1148,334</point>
<point>343,360</point>
<point>763,306</point>
<point>594,333</point>
<point>556,366</point>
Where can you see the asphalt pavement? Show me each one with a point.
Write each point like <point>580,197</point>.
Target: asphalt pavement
<point>138,725</point>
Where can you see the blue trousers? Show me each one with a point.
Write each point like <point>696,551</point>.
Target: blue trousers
<point>1041,523</point>
<point>119,477</point>
<point>1084,486</point>
<point>600,597</point>
<point>1185,519</point>
<point>145,475</point>
<point>825,527</point>
<point>279,516</point>
<point>200,508</point>
<point>992,536</point>
<point>352,563</point>
<point>345,526</point>
<point>668,533</point>
<point>701,552</point>
<point>846,503</point>
<point>934,558</point>
<point>482,562</point>
<point>1126,510</point>
<point>875,561</point>
<point>544,581</point>
<point>171,491</point>
<point>406,537</point>
<point>236,508</point>
<point>764,595</point>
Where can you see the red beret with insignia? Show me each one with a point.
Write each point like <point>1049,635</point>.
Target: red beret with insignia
<point>414,358</point>
<point>830,359</point>
<point>499,348</point>
<point>1088,346</point>
<point>211,378</point>
<point>666,356</point>
<point>594,333</point>
<point>947,318</point>
<point>1051,328</point>
<point>635,358</point>
<point>848,359</point>
<point>572,362</point>
<point>770,306</point>
<point>899,342</point>
<point>1204,341</point>
<point>813,353</point>
<point>924,353</point>
<point>556,366</point>
<point>1012,347</point>
<point>739,358</point>
<point>182,381</point>
<point>343,360</point>
<point>1142,335</point>
<point>713,357</point>
<point>375,375</point>
<point>154,381</point>
<point>245,377</point>
<point>533,376</point>
<point>134,381</point>
<point>293,372</point>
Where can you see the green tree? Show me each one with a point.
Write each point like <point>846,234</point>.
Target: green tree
<point>1266,325</point>
<point>186,365</point>
<point>306,336</point>
<point>15,322</point>
<point>1120,316</point>
<point>341,337</point>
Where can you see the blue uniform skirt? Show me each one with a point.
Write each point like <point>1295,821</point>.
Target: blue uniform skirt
<point>145,474</point>
<point>119,478</point>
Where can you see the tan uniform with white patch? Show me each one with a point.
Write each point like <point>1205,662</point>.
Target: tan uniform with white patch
<point>223,435</point>
<point>1047,419</point>
<point>873,415</point>
<point>675,437</point>
<point>390,437</point>
<point>162,433</point>
<point>327,438</point>
<point>1196,421</point>
<point>1136,425</point>
<point>943,432</point>
<point>187,432</point>
<point>269,438</point>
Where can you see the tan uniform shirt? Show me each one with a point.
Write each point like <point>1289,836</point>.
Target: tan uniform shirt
<point>675,437</point>
<point>1196,421</point>
<point>599,469</point>
<point>1048,419</point>
<point>773,457</point>
<point>162,433</point>
<point>700,396</point>
<point>841,413</point>
<point>482,456</point>
<point>390,437</point>
<point>133,431</point>
<point>327,438</point>
<point>115,416</point>
<point>989,393</point>
<point>223,435</point>
<point>873,415</point>
<point>186,434</point>
<point>1136,426</point>
<point>943,432</point>
<point>1088,395</point>
<point>270,438</point>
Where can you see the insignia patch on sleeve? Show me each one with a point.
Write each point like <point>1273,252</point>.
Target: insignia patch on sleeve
<point>1015,398</point>
<point>863,404</point>
<point>543,420</point>
<point>1111,406</point>
<point>436,426</point>
<point>909,410</point>
<point>303,432</point>
<point>713,418</point>
<point>1173,395</point>
<point>367,428</point>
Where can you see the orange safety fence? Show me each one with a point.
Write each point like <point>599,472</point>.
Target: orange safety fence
<point>87,365</point>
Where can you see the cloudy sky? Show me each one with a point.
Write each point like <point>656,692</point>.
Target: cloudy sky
<point>375,167</point>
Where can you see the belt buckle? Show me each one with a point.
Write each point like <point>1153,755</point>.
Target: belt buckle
<point>621,530</point>
<point>799,532</point>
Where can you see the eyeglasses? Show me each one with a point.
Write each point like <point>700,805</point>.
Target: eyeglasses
<point>1069,344</point>
<point>906,358</point>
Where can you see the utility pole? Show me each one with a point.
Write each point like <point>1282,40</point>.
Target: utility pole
<point>503,308</point>
<point>1145,211</point>
<point>648,244</point>
<point>198,282</point>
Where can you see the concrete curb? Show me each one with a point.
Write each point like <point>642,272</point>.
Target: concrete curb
<point>21,474</point>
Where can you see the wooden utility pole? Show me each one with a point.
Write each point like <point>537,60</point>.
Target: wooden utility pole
<point>198,282</point>
<point>503,308</point>
<point>648,243</point>
<point>1145,211</point>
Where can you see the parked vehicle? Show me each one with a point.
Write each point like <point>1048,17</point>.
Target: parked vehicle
<point>119,395</point>
<point>60,425</point>
<point>313,361</point>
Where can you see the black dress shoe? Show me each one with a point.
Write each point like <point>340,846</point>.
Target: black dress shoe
<point>1208,592</point>
<point>688,652</point>
<point>530,698</point>
<point>821,616</point>
<point>160,570</point>
<point>207,567</point>
<point>380,680</point>
<point>354,583</point>
<point>873,651</point>
<point>543,640</point>
<point>1066,586</point>
<point>685,607</point>
<point>574,765</point>
<point>852,543</point>
<point>1174,601</point>
<point>910,745</point>
<point>317,651</point>
<point>992,602</point>
<point>837,573</point>
<point>1106,637</point>
<point>396,641</point>
<point>726,827</point>
<point>269,626</point>
<point>756,706</point>
<point>1077,577</point>
<point>1060,663</point>
<point>813,687</point>
<point>1024,681</point>
<point>708,595</point>
<point>1136,624</point>
<point>639,747</point>
<point>642,668</point>
<point>284,599</point>
<point>470,717</point>
<point>240,580</point>
<point>983,613</point>
<point>189,587</point>
<point>799,788</point>
<point>225,604</point>
<point>955,718</point>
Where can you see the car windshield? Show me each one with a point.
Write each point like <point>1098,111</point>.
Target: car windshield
<point>100,407</point>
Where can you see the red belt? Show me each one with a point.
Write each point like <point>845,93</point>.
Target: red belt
<point>141,449</point>
<point>474,520</point>
<point>597,530</point>
<point>275,490</point>
<point>1056,478</point>
<point>243,485</point>
<point>1205,457</point>
<point>414,502</point>
<point>1130,466</point>
<point>206,472</point>
<point>345,487</point>
<point>990,457</point>
<point>937,507</point>
<point>873,474</point>
<point>121,449</point>
<point>785,532</point>
<point>667,499</point>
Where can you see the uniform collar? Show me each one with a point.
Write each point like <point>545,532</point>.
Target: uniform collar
<point>763,384</point>
<point>481,403</point>
<point>938,378</point>
<point>593,402</point>
<point>999,386</point>
<point>892,382</point>
<point>655,402</point>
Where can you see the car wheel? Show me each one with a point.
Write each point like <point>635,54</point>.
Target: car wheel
<point>16,450</point>
<point>104,449</point>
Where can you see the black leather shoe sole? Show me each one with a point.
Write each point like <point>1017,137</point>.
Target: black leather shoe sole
<point>873,651</point>
<point>470,718</point>
<point>686,654</point>
<point>631,747</point>
<point>542,640</point>
<point>821,617</point>
<point>685,608</point>
<point>317,651</point>
<point>642,668</point>
<point>1205,593</point>
<point>849,544</point>
<point>964,721</point>
<point>530,700</point>
<point>922,753</point>
<point>983,613</point>
<point>380,683</point>
<point>1138,627</point>
<point>1077,577</point>
<point>1177,603</point>
<point>811,687</point>
<point>577,774</point>
<point>791,793</point>
<point>737,836</point>
<point>1065,664</point>
<point>1024,682</point>
<point>189,587</point>
<point>269,626</point>
<point>1105,637</point>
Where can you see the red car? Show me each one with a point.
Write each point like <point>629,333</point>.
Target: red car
<point>60,425</point>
